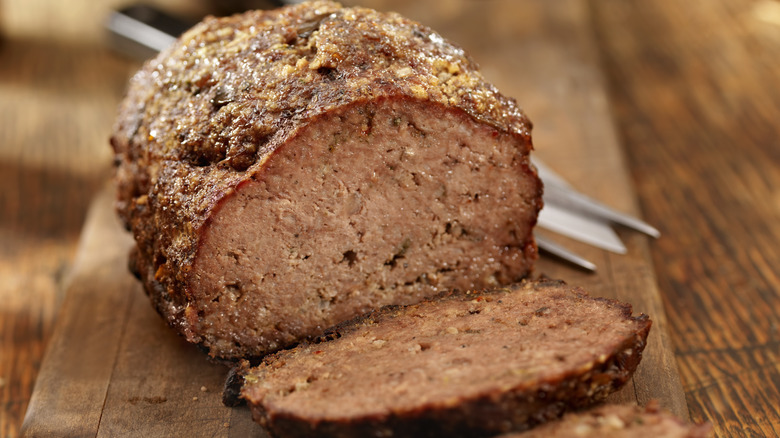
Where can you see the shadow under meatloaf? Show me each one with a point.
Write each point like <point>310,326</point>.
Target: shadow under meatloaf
<point>464,365</point>
<point>381,203</point>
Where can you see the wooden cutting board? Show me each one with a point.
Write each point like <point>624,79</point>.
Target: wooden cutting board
<point>114,368</point>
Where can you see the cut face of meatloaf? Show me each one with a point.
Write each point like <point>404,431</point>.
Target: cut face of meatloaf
<point>283,171</point>
<point>469,364</point>
<point>340,221</point>
<point>618,421</point>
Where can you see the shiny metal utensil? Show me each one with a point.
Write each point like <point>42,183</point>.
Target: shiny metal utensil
<point>560,193</point>
<point>582,218</point>
<point>571,223</point>
<point>559,251</point>
<point>141,31</point>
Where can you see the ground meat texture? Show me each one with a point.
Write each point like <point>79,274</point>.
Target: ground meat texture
<point>463,365</point>
<point>618,421</point>
<point>282,171</point>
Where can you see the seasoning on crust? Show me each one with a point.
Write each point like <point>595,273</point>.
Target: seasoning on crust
<point>463,365</point>
<point>282,171</point>
<point>618,421</point>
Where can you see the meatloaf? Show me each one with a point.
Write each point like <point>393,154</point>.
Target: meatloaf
<point>282,171</point>
<point>618,421</point>
<point>463,365</point>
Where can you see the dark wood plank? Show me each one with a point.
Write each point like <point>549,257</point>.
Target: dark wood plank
<point>160,385</point>
<point>71,387</point>
<point>694,86</point>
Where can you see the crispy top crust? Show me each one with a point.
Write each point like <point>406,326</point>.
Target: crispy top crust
<point>208,112</point>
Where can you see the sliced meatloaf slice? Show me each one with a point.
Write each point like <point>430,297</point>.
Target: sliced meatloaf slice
<point>618,421</point>
<point>282,171</point>
<point>469,364</point>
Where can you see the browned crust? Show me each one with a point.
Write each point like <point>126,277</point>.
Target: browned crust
<point>515,409</point>
<point>619,420</point>
<point>207,113</point>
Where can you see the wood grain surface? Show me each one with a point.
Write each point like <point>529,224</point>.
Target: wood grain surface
<point>696,89</point>
<point>694,101</point>
<point>122,372</point>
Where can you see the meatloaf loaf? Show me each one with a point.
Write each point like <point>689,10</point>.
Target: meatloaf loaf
<point>618,421</point>
<point>282,171</point>
<point>467,364</point>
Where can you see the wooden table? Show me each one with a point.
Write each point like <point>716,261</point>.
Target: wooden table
<point>693,89</point>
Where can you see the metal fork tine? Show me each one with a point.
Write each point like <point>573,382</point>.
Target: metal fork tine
<point>563,253</point>
<point>558,191</point>
<point>586,205</point>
